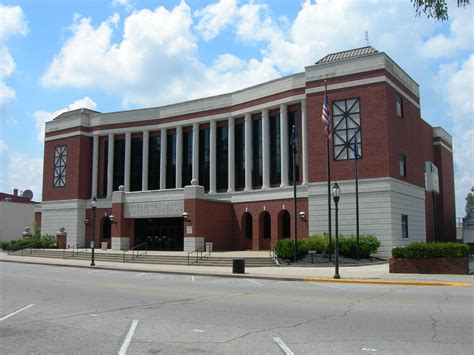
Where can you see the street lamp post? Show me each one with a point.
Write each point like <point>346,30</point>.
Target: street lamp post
<point>336,193</point>
<point>94,207</point>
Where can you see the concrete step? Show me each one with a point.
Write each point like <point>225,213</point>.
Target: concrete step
<point>148,259</point>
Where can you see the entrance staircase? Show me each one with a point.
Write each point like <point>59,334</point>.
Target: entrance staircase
<point>127,257</point>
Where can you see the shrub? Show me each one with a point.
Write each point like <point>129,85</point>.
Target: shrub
<point>420,250</point>
<point>317,242</point>
<point>44,242</point>
<point>285,249</point>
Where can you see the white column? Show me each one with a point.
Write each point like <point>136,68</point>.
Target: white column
<point>266,148</point>
<point>128,147</point>
<point>196,151</point>
<point>231,158</point>
<point>146,145</point>
<point>95,164</point>
<point>163,160</point>
<point>212,172</point>
<point>110,167</point>
<point>248,152</point>
<point>179,156</point>
<point>304,141</point>
<point>284,144</point>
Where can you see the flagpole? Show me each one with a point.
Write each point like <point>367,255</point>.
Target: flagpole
<point>328,130</point>
<point>356,153</point>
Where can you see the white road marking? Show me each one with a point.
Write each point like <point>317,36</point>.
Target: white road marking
<point>140,275</point>
<point>198,330</point>
<point>128,338</point>
<point>12,314</point>
<point>368,349</point>
<point>93,315</point>
<point>192,277</point>
<point>283,346</point>
<point>255,282</point>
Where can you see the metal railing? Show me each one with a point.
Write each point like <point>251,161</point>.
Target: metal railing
<point>274,256</point>
<point>23,252</point>
<point>199,254</point>
<point>137,250</point>
<point>74,253</point>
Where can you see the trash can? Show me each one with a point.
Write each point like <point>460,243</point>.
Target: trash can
<point>238,266</point>
<point>209,247</point>
<point>104,245</point>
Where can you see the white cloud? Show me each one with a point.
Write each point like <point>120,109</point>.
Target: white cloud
<point>459,38</point>
<point>20,171</point>
<point>215,17</point>
<point>12,22</point>
<point>41,117</point>
<point>457,87</point>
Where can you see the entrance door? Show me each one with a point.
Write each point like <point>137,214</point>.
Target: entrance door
<point>160,233</point>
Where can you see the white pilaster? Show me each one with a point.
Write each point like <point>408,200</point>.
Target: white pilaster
<point>266,149</point>
<point>110,167</point>
<point>196,151</point>
<point>146,144</point>
<point>95,164</point>
<point>248,152</point>
<point>304,141</point>
<point>163,140</point>
<point>284,144</point>
<point>128,147</point>
<point>231,158</point>
<point>212,143</point>
<point>179,156</point>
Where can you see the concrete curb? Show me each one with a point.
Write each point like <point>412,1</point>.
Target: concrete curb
<point>260,277</point>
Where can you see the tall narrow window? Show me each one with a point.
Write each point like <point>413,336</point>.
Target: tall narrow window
<point>222,154</point>
<point>403,165</point>
<point>399,106</point>
<point>239,156</point>
<point>293,121</point>
<point>60,164</point>
<point>404,226</point>
<point>267,226</point>
<point>275,155</point>
<point>105,163</point>
<point>347,129</point>
<point>171,161</point>
<point>154,155</point>
<point>187,167</point>
<point>119,163</point>
<point>204,158</point>
<point>136,164</point>
<point>257,168</point>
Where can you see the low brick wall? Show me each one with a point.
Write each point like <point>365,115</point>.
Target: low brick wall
<point>458,266</point>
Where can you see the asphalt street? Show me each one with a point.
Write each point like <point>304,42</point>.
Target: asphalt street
<point>61,310</point>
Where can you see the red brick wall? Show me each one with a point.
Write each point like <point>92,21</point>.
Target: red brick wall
<point>375,149</point>
<point>446,209</point>
<point>38,219</point>
<point>458,266</point>
<point>78,173</point>
<point>99,220</point>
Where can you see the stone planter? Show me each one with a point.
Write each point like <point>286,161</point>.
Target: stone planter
<point>458,266</point>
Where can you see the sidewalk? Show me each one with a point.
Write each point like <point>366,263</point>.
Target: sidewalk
<point>368,274</point>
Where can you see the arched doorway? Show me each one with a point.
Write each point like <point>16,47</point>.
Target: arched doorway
<point>285,225</point>
<point>106,231</point>
<point>247,228</point>
<point>265,230</point>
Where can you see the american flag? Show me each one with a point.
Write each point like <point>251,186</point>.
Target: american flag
<point>325,116</point>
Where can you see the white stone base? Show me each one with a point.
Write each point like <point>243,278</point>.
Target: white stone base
<point>120,243</point>
<point>193,243</point>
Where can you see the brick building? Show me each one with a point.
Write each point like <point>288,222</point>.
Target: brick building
<point>235,148</point>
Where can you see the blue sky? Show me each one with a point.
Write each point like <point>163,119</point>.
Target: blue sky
<point>112,55</point>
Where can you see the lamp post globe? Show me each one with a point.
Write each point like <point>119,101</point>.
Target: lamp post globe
<point>336,194</point>
<point>94,207</point>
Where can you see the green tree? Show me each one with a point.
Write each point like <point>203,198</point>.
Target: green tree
<point>470,200</point>
<point>437,9</point>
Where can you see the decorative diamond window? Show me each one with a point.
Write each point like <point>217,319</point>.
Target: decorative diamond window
<point>60,160</point>
<point>346,128</point>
